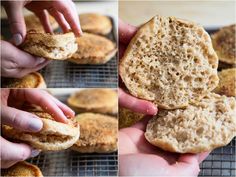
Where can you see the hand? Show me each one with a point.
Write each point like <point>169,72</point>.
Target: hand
<point>63,11</point>
<point>11,100</point>
<point>137,157</point>
<point>126,32</point>
<point>17,63</point>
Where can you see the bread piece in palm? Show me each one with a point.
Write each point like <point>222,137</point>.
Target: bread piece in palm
<point>202,126</point>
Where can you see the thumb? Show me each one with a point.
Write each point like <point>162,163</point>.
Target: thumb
<point>11,153</point>
<point>20,119</point>
<point>16,21</point>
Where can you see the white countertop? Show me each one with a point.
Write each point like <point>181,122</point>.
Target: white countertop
<point>210,14</point>
<point>109,8</point>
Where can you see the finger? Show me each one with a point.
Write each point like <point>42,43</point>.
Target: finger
<point>65,109</point>
<point>42,98</point>
<point>60,19</point>
<point>16,22</point>
<point>126,32</point>
<point>135,104</point>
<point>20,119</point>
<point>18,58</point>
<point>69,13</point>
<point>44,19</point>
<point>21,72</point>
<point>24,71</point>
<point>13,153</point>
<point>202,156</point>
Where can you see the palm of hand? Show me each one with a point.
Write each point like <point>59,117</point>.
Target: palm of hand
<point>138,157</point>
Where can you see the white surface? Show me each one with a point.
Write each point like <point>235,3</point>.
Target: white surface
<point>62,91</point>
<point>210,14</point>
<point>109,8</point>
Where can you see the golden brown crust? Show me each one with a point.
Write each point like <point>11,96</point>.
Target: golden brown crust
<point>33,23</point>
<point>52,137</point>
<point>50,46</point>
<point>22,169</point>
<point>169,61</point>
<point>32,80</point>
<point>99,133</point>
<point>224,44</point>
<point>227,84</point>
<point>128,118</point>
<point>94,100</point>
<point>93,49</point>
<point>95,23</point>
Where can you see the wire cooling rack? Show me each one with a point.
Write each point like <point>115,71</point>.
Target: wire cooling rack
<point>71,163</point>
<point>221,162</point>
<point>64,74</point>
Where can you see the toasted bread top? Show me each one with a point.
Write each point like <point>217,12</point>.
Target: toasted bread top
<point>93,98</point>
<point>22,169</point>
<point>32,80</point>
<point>33,23</point>
<point>93,46</point>
<point>224,43</point>
<point>227,84</point>
<point>95,23</point>
<point>97,129</point>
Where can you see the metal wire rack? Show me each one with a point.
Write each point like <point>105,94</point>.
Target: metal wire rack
<point>71,163</point>
<point>221,162</point>
<point>63,74</point>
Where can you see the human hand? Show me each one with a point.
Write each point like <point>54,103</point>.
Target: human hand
<point>17,63</point>
<point>126,32</point>
<point>11,100</point>
<point>63,11</point>
<point>137,157</point>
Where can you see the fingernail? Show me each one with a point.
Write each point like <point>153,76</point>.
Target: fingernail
<point>17,38</point>
<point>40,60</point>
<point>35,125</point>
<point>35,152</point>
<point>152,110</point>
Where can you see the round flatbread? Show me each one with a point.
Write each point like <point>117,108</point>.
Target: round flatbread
<point>224,43</point>
<point>95,100</point>
<point>95,23</point>
<point>99,133</point>
<point>171,62</point>
<point>22,169</point>
<point>32,80</point>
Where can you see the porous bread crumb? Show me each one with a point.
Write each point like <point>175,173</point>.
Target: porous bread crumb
<point>200,127</point>
<point>170,62</point>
